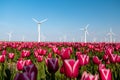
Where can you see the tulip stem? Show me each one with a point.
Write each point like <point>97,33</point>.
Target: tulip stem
<point>53,76</point>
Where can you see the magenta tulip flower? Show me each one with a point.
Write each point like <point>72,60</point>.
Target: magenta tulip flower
<point>71,68</point>
<point>101,66</point>
<point>11,55</point>
<point>118,59</point>
<point>4,52</point>
<point>105,74</point>
<point>25,53</point>
<point>20,64</point>
<point>83,59</point>
<point>2,58</point>
<point>28,62</point>
<point>109,50</point>
<point>39,58</point>
<point>65,53</point>
<point>113,58</point>
<point>52,64</point>
<point>55,49</point>
<point>39,52</point>
<point>105,57</point>
<point>96,60</point>
<point>88,76</point>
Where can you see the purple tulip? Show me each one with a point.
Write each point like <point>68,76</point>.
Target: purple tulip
<point>29,73</point>
<point>52,64</point>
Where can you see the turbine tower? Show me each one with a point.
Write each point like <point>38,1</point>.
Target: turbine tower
<point>39,23</point>
<point>23,38</point>
<point>85,32</point>
<point>9,36</point>
<point>111,35</point>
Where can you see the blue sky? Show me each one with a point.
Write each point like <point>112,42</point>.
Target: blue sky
<point>65,17</point>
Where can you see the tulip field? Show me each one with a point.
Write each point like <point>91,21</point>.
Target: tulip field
<point>59,61</point>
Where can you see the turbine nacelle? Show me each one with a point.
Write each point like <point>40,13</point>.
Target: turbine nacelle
<point>39,22</point>
<point>85,29</point>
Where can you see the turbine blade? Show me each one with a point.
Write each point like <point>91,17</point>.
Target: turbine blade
<point>82,29</point>
<point>43,20</point>
<point>108,34</point>
<point>87,32</point>
<point>87,26</point>
<point>35,20</point>
<point>113,33</point>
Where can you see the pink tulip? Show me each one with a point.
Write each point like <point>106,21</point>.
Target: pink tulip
<point>113,58</point>
<point>20,64</point>
<point>2,58</point>
<point>101,66</point>
<point>40,52</point>
<point>71,68</point>
<point>118,59</point>
<point>11,55</point>
<point>55,49</point>
<point>52,64</point>
<point>78,53</point>
<point>105,74</point>
<point>62,69</point>
<point>65,53</point>
<point>25,53</point>
<point>88,76</point>
<point>109,50</point>
<point>39,58</point>
<point>105,57</point>
<point>28,62</point>
<point>96,60</point>
<point>83,59</point>
<point>4,52</point>
<point>50,55</point>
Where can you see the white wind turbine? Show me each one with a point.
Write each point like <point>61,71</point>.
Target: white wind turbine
<point>39,23</point>
<point>23,38</point>
<point>64,38</point>
<point>9,36</point>
<point>43,37</point>
<point>86,32</point>
<point>111,35</point>
<point>60,39</point>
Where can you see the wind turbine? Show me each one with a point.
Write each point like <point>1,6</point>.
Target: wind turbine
<point>85,32</point>
<point>43,37</point>
<point>64,38</point>
<point>94,39</point>
<point>9,36</point>
<point>23,38</point>
<point>60,39</point>
<point>111,35</point>
<point>39,23</point>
